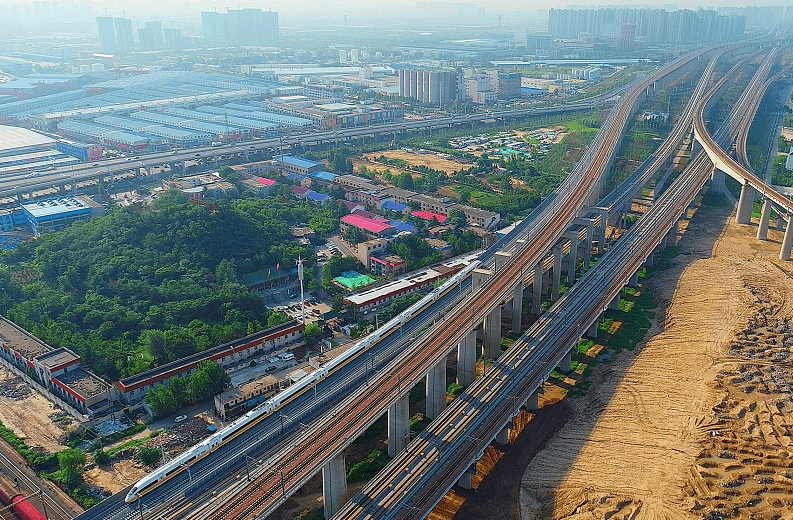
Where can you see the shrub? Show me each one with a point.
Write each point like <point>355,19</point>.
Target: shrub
<point>454,389</point>
<point>148,456</point>
<point>101,457</point>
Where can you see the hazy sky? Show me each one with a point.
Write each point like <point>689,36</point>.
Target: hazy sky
<point>363,7</point>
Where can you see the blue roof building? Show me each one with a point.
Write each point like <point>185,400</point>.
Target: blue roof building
<point>322,175</point>
<point>295,177</point>
<point>298,165</point>
<point>56,214</point>
<point>322,198</point>
<point>403,226</point>
<point>394,206</point>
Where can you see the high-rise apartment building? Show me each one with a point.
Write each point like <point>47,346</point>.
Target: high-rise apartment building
<point>151,36</point>
<point>125,42</point>
<point>241,27</point>
<point>436,87</point>
<point>173,38</point>
<point>648,25</point>
<point>107,33</point>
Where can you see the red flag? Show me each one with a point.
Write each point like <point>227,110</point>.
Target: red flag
<point>278,266</point>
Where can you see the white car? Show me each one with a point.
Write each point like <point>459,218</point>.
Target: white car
<point>180,418</point>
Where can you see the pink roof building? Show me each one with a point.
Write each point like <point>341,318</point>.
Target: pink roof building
<point>367,225</point>
<point>266,182</point>
<point>428,215</point>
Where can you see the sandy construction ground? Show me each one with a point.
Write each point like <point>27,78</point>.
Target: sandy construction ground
<point>416,159</point>
<point>697,423</point>
<point>116,476</point>
<point>28,414</point>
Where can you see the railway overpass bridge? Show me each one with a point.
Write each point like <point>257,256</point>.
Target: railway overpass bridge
<point>751,184</point>
<point>527,258</point>
<point>446,452</point>
<point>559,234</point>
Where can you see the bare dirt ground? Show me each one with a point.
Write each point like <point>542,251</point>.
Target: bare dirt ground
<point>115,477</point>
<point>696,423</point>
<point>430,160</point>
<point>28,414</point>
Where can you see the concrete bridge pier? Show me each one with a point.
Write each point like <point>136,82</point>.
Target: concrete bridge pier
<point>492,327</point>
<point>501,258</point>
<point>614,304</point>
<point>564,364</point>
<point>466,359</point>
<point>436,389</point>
<point>634,280</point>
<point>650,260</point>
<point>602,231</point>
<point>517,307</point>
<point>533,402</point>
<point>62,187</point>
<point>572,257</point>
<point>334,485</point>
<point>592,331</point>
<point>765,217</point>
<point>787,241</point>
<point>671,237</point>
<point>557,272</point>
<point>502,437</point>
<point>465,480</point>
<point>398,426</point>
<point>536,296</point>
<point>717,181</point>
<point>779,223</point>
<point>479,277</point>
<point>745,203</point>
<point>19,197</point>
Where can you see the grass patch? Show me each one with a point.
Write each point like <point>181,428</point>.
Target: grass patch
<point>132,444</point>
<point>35,459</point>
<point>368,468</point>
<point>103,441</point>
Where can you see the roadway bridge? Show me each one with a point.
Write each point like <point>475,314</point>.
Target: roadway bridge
<point>15,187</point>
<point>447,451</point>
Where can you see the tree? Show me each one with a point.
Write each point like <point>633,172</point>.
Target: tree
<point>276,318</point>
<point>225,171</point>
<point>457,218</point>
<point>161,401</point>
<point>353,235</point>
<point>71,460</point>
<point>179,343</point>
<point>200,386</point>
<point>218,377</point>
<point>313,334</point>
<point>148,456</point>
<point>156,343</point>
<point>178,387</point>
<point>101,457</point>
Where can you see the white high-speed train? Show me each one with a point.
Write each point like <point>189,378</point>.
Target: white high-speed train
<point>239,426</point>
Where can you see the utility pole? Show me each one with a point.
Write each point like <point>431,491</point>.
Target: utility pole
<point>299,263</point>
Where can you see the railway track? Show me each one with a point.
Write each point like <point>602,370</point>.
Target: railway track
<point>43,497</point>
<point>328,438</point>
<point>417,478</point>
